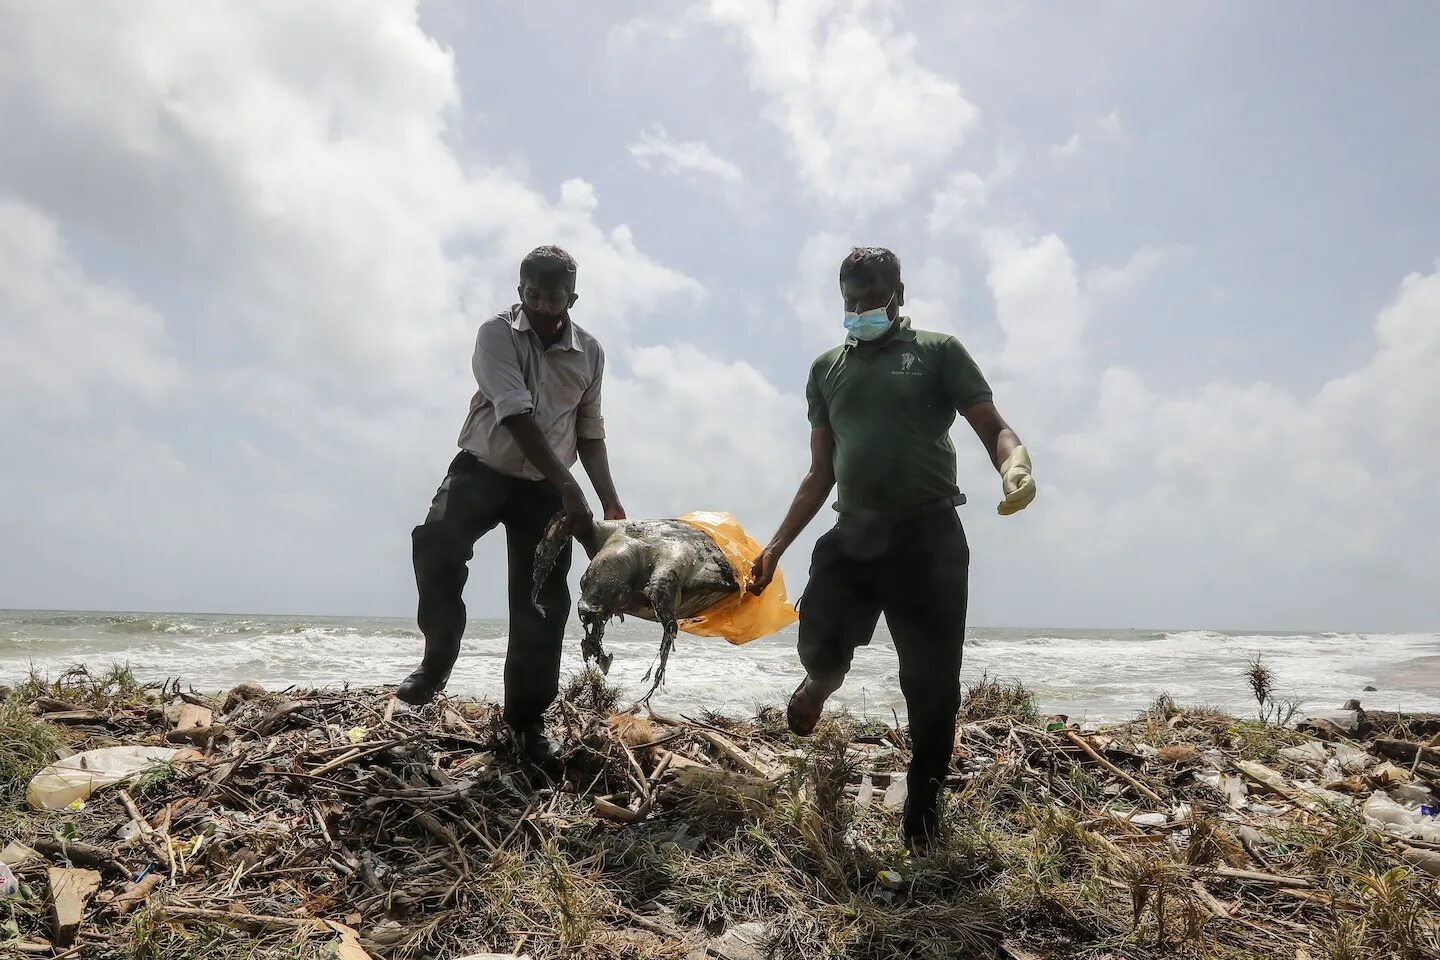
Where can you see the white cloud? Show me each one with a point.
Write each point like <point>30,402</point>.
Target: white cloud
<point>1039,305</point>
<point>705,434</point>
<point>863,120</point>
<point>1111,124</point>
<point>1067,149</point>
<point>319,211</point>
<point>319,248</point>
<point>1255,488</point>
<point>954,204</point>
<point>655,150</point>
<point>814,298</point>
<point>1125,280</point>
<point>64,339</point>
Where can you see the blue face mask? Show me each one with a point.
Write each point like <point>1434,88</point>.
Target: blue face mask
<point>870,325</point>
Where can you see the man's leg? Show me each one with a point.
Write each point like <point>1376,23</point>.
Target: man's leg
<point>838,612</point>
<point>532,658</point>
<point>465,508</point>
<point>925,591</point>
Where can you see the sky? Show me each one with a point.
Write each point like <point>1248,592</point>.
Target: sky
<point>244,249</point>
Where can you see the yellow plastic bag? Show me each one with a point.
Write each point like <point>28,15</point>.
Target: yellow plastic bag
<point>744,616</point>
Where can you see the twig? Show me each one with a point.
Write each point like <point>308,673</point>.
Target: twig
<point>1084,744</point>
<point>1274,879</point>
<point>734,753</point>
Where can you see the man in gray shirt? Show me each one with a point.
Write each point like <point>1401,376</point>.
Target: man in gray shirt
<point>536,409</point>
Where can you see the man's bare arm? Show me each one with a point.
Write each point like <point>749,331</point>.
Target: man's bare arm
<point>531,441</point>
<point>809,498</point>
<point>1006,453</point>
<point>596,459</point>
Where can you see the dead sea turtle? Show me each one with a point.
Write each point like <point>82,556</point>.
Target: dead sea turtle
<point>659,570</point>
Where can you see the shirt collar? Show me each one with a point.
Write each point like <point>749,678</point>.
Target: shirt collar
<point>519,321</point>
<point>902,334</point>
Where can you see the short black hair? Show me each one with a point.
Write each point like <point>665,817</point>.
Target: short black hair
<point>868,264</point>
<point>550,266</point>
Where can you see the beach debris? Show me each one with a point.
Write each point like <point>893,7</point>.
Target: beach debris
<point>1311,753</point>
<point>16,853</point>
<point>319,826</point>
<point>73,780</point>
<point>1178,754</point>
<point>9,884</point>
<point>70,890</point>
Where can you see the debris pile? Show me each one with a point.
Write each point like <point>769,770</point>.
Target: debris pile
<point>328,823</point>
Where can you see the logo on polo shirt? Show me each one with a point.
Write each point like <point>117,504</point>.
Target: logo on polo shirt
<point>907,361</point>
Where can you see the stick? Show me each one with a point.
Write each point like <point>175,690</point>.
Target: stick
<point>1083,744</point>
<point>665,757</point>
<point>244,921</point>
<point>737,755</point>
<point>613,811</point>
<point>639,777</point>
<point>1274,879</point>
<point>1216,908</point>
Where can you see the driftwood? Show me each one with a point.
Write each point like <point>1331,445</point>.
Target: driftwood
<point>70,890</point>
<point>1403,751</point>
<point>1377,723</point>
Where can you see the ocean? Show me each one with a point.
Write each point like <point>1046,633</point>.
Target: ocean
<point>1086,674</point>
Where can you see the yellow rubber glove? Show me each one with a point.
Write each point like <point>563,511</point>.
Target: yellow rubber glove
<point>1017,481</point>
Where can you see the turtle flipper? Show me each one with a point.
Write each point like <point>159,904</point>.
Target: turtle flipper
<point>663,592</point>
<point>557,535</point>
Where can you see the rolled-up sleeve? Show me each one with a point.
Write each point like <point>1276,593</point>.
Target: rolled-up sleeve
<point>497,371</point>
<point>589,422</point>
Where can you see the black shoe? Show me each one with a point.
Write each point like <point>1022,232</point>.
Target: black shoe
<point>532,745</point>
<point>420,687</point>
<point>920,825</point>
<point>806,705</point>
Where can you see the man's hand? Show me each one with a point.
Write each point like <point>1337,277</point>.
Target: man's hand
<point>577,512</point>
<point>762,570</point>
<point>1017,482</point>
<point>614,512</point>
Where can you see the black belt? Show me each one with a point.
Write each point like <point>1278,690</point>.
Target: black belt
<point>922,510</point>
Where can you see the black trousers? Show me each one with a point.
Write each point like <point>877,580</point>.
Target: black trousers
<point>472,501</point>
<point>916,572</point>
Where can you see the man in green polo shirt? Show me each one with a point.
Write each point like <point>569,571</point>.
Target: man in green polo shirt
<point>881,406</point>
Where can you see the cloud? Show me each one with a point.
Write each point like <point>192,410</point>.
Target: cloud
<point>954,204</point>
<point>863,121</point>
<point>705,434</point>
<point>1124,281</point>
<point>1039,305</point>
<point>656,150</point>
<point>1255,495</point>
<point>323,215</point>
<point>1067,149</point>
<point>65,340</point>
<point>302,237</point>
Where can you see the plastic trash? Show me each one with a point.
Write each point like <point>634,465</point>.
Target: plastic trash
<point>1231,788</point>
<point>16,853</point>
<point>1312,752</point>
<point>743,616</point>
<point>1381,809</point>
<point>1411,794</point>
<point>74,779</point>
<point>1353,759</point>
<point>1149,819</point>
<point>9,885</point>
